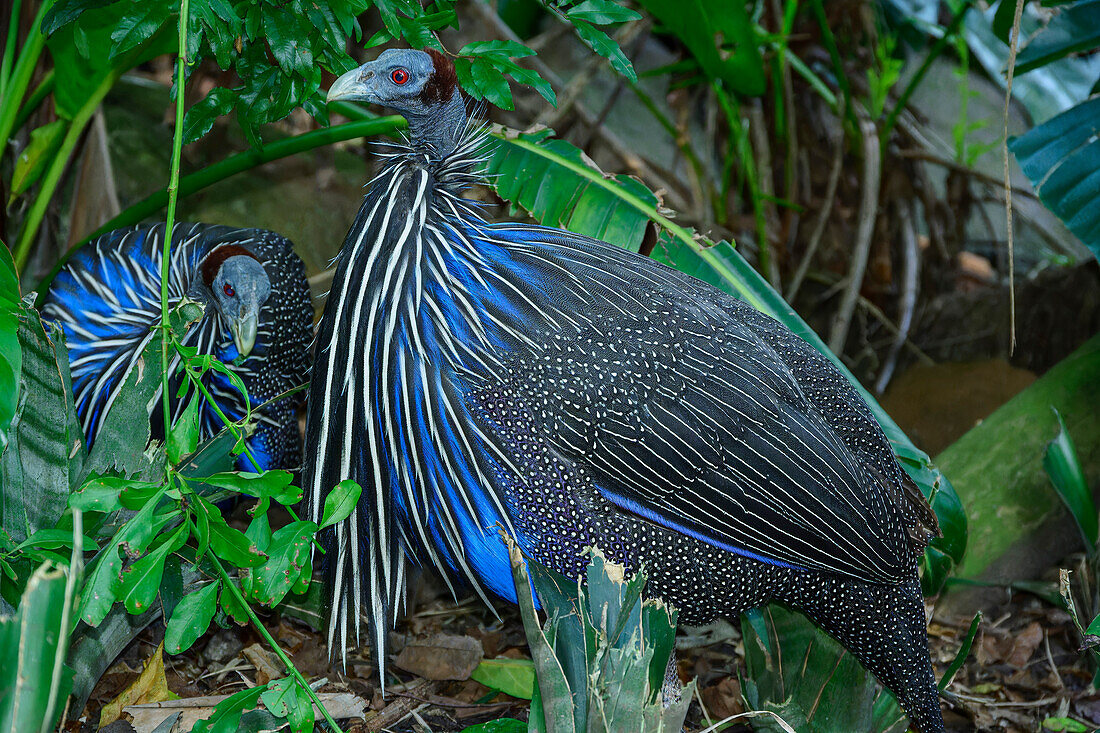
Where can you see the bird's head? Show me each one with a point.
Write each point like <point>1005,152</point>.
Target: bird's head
<point>421,85</point>
<point>237,285</point>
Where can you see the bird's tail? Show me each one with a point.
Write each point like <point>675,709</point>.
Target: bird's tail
<point>884,627</point>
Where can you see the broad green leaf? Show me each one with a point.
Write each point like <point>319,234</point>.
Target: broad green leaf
<point>141,580</point>
<point>721,38</point>
<point>561,187</point>
<point>274,484</point>
<point>139,25</point>
<point>63,12</point>
<point>515,677</point>
<point>601,12</point>
<point>1061,158</point>
<point>825,690</point>
<point>33,159</point>
<point>124,433</point>
<point>34,690</point>
<point>285,698</point>
<point>45,448</point>
<point>227,714</point>
<point>183,438</point>
<point>54,539</point>
<point>101,494</point>
<point>191,618</point>
<point>1074,28</point>
<point>199,118</point>
<point>11,354</point>
<point>340,502</point>
<point>1064,469</point>
<point>287,553</point>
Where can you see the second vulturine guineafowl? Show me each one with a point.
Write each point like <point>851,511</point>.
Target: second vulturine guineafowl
<point>258,321</point>
<point>472,375</point>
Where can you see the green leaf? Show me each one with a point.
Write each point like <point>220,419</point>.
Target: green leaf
<point>561,187</point>
<point>124,432</point>
<point>227,714</point>
<point>32,161</point>
<point>138,25</point>
<point>605,46</point>
<point>191,618</point>
<point>287,552</point>
<point>340,502</point>
<point>11,354</point>
<point>45,449</point>
<point>515,677</point>
<point>55,538</point>
<point>601,12</point>
<point>1075,27</point>
<point>63,12</point>
<point>490,83</point>
<point>141,580</point>
<point>101,494</point>
<point>31,642</point>
<point>720,37</point>
<point>199,118</point>
<point>1064,469</point>
<point>826,690</point>
<point>274,484</point>
<point>183,439</point>
<point>288,39</point>
<point>285,698</point>
<point>1061,158</point>
<point>227,543</point>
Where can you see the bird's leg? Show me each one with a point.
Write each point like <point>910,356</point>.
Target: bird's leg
<point>672,690</point>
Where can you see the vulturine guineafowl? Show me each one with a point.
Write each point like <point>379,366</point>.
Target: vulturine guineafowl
<point>258,321</point>
<point>473,375</point>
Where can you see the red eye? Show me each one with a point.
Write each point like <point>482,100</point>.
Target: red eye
<point>228,290</point>
<point>399,76</point>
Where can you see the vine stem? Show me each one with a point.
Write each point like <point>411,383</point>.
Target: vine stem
<point>170,220</point>
<point>228,583</point>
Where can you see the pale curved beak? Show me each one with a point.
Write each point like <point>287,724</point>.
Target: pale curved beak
<point>244,333</point>
<point>348,87</point>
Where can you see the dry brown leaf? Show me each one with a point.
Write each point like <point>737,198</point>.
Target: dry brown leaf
<point>266,668</point>
<point>150,686</point>
<point>723,699</point>
<point>441,657</point>
<point>1024,644</point>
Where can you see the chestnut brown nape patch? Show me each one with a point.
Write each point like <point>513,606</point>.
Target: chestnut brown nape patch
<point>210,264</point>
<point>443,81</point>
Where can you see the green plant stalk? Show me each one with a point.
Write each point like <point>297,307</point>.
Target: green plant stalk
<point>170,220</point>
<point>57,167</point>
<point>9,48</point>
<point>35,98</point>
<point>76,567</point>
<point>744,154</point>
<point>20,77</point>
<point>918,77</point>
<point>829,40</point>
<point>227,582</point>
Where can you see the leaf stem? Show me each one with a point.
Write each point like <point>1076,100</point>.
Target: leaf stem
<point>170,220</point>
<point>227,582</point>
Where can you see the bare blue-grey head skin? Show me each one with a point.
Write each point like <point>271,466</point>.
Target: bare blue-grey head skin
<point>420,85</point>
<point>237,289</point>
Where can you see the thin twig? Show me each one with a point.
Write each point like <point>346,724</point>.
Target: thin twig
<point>822,220</point>
<point>1013,43</point>
<point>868,211</point>
<point>953,165</point>
<point>910,284</point>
